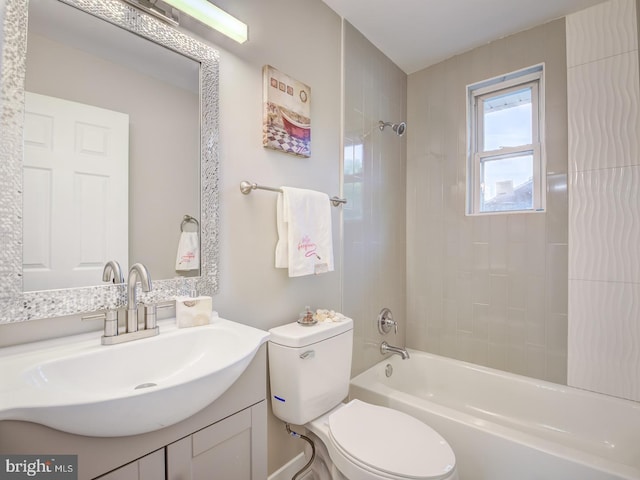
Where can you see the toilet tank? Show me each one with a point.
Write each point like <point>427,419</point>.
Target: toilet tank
<point>309,368</point>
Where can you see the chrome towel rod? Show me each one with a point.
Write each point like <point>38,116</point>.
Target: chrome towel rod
<point>248,187</point>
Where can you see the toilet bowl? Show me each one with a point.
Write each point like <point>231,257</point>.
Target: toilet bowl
<point>369,442</point>
<point>309,371</point>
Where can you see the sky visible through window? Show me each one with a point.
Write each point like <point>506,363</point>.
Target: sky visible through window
<point>507,123</point>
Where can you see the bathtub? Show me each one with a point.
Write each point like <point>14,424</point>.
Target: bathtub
<point>503,426</point>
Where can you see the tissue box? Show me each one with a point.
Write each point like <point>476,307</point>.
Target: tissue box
<point>193,311</point>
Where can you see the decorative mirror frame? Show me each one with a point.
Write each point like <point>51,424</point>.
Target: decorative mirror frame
<point>16,305</point>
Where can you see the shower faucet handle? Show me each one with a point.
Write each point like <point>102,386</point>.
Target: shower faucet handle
<point>386,322</point>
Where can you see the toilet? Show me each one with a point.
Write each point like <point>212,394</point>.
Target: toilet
<point>310,369</point>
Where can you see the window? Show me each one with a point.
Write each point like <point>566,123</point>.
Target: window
<point>353,180</point>
<point>505,170</point>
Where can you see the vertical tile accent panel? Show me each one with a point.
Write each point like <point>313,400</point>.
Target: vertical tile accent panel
<point>601,31</point>
<point>603,97</point>
<point>604,335</point>
<point>604,204</point>
<point>604,221</point>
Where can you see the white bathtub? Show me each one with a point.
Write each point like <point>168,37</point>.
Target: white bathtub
<point>503,426</point>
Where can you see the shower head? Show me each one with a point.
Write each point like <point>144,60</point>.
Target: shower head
<point>398,128</point>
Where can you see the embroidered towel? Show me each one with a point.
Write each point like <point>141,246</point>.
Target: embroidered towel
<point>305,243</point>
<point>188,257</point>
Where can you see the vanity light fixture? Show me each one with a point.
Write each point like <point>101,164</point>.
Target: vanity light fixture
<point>212,16</point>
<point>153,9</point>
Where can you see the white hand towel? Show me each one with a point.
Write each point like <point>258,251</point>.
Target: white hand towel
<point>188,257</point>
<point>305,242</point>
<point>282,247</point>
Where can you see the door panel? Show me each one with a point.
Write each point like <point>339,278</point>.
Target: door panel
<point>75,192</point>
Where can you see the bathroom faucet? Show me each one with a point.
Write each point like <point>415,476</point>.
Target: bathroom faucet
<point>386,348</point>
<point>137,271</point>
<point>112,272</point>
<point>111,334</point>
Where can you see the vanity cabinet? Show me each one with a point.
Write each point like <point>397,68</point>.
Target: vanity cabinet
<point>221,451</point>
<point>227,440</point>
<point>149,467</point>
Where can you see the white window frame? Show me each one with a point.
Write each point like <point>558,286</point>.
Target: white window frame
<point>476,94</point>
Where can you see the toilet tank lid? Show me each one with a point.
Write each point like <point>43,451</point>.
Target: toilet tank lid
<point>296,335</point>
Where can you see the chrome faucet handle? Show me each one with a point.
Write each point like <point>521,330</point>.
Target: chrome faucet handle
<point>151,312</point>
<point>386,322</point>
<point>111,323</point>
<point>110,318</point>
<point>150,316</point>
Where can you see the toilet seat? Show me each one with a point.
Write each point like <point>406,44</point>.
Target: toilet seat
<point>389,443</point>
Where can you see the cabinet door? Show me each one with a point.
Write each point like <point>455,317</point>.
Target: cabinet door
<point>227,450</point>
<point>150,467</point>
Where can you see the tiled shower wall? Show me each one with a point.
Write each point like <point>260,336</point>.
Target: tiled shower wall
<point>493,289</point>
<point>604,199</point>
<point>374,183</point>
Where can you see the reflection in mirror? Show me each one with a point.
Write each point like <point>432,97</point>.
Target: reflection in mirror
<point>105,138</point>
<point>161,188</point>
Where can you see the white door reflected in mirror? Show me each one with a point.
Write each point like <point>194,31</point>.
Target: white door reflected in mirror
<point>76,163</point>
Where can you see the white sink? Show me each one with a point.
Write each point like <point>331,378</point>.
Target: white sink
<point>79,386</point>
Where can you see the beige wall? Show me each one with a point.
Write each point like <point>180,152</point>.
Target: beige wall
<point>374,219</point>
<point>491,290</point>
<point>301,39</point>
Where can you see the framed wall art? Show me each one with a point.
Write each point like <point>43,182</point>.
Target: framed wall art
<point>287,113</point>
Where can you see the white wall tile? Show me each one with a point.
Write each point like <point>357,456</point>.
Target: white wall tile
<point>604,334</point>
<point>604,205</point>
<point>601,31</point>
<point>604,222</point>
<point>603,98</point>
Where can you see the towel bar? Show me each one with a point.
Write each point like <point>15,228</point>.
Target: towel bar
<point>248,187</point>
<point>189,219</point>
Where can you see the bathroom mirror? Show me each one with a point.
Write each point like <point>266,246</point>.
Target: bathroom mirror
<point>106,138</point>
<point>196,61</point>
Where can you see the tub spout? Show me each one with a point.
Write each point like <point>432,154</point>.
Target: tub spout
<point>386,348</point>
